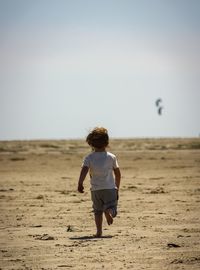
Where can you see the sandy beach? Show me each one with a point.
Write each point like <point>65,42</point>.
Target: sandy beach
<point>46,224</point>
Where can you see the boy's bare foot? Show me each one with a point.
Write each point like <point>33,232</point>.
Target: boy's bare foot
<point>97,235</point>
<point>109,217</point>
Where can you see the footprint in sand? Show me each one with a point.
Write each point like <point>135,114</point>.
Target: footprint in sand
<point>172,245</point>
<point>44,237</point>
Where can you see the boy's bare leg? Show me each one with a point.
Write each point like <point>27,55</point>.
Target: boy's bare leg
<point>99,221</point>
<point>108,215</point>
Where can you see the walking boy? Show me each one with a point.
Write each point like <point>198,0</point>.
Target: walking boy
<point>104,177</point>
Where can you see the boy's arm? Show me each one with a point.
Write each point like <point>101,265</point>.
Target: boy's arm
<point>82,176</point>
<point>117,177</point>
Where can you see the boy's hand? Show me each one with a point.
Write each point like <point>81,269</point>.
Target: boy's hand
<point>83,174</point>
<point>117,190</point>
<point>80,188</point>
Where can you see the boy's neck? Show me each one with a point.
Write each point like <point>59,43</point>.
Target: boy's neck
<point>103,149</point>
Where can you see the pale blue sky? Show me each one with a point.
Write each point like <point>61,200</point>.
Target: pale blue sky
<point>69,65</point>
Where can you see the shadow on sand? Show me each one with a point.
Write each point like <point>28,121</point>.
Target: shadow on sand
<point>90,237</point>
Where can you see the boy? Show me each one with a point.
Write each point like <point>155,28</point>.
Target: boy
<point>104,185</point>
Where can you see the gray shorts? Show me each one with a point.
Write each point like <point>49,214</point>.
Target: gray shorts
<point>104,199</point>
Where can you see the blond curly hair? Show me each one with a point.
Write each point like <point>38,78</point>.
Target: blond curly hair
<point>98,138</point>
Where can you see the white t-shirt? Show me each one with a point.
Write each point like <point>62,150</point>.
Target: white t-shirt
<point>101,165</point>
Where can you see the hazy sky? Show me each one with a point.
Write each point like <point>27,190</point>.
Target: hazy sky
<point>69,65</point>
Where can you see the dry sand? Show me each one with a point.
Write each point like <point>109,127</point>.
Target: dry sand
<point>46,224</point>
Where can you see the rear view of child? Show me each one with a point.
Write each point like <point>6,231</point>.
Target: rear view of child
<point>104,177</point>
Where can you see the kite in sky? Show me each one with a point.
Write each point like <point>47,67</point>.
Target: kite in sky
<point>158,105</point>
